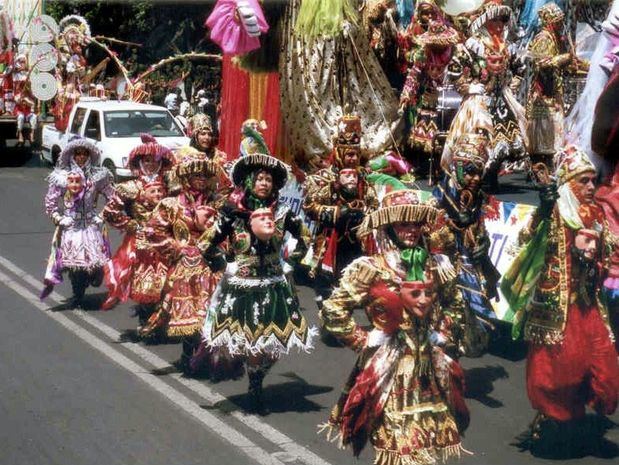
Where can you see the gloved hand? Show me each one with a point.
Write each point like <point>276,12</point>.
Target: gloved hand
<point>465,218</point>
<point>216,261</point>
<point>97,220</point>
<point>480,251</point>
<point>349,218</point>
<point>298,254</point>
<point>548,195</point>
<point>66,221</point>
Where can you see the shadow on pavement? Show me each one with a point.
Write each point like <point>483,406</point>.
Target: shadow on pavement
<point>480,383</point>
<point>12,157</point>
<point>502,345</point>
<point>571,440</point>
<point>290,396</point>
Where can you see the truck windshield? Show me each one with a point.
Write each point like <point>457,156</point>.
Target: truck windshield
<point>132,123</point>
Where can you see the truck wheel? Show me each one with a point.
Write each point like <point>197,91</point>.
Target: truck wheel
<point>109,164</point>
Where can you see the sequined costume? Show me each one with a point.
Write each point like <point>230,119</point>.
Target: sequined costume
<point>173,231</point>
<point>256,310</point>
<point>425,75</point>
<point>80,243</point>
<point>255,315</point>
<point>487,71</point>
<point>404,394</point>
<point>336,208</point>
<point>465,206</point>
<point>325,66</point>
<point>137,271</point>
<point>544,109</point>
<point>553,289</point>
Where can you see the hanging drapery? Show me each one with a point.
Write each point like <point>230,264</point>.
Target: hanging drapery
<point>323,76</point>
<point>249,95</point>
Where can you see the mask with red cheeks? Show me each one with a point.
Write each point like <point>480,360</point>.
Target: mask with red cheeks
<point>586,241</point>
<point>204,217</point>
<point>75,183</point>
<point>153,194</point>
<point>348,178</point>
<point>418,297</point>
<point>262,224</point>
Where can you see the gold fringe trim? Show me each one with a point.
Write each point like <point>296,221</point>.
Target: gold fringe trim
<point>180,331</point>
<point>208,167</point>
<point>397,214</point>
<point>420,457</point>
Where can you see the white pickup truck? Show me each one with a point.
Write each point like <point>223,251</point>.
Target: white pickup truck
<point>115,128</point>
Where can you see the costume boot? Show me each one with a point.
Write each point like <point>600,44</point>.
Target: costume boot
<point>79,283</point>
<point>256,377</point>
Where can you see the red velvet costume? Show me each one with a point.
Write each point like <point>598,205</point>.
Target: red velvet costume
<point>572,362</point>
<point>137,271</point>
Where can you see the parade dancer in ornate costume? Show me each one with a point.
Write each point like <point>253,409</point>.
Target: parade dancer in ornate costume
<point>203,137</point>
<point>337,199</point>
<point>544,111</point>
<point>553,290</point>
<point>137,271</point>
<point>460,196</point>
<point>173,231</point>
<point>425,75</point>
<point>405,395</point>
<point>255,315</point>
<point>80,244</point>
<point>487,72</point>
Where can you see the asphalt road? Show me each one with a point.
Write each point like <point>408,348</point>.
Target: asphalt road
<point>75,389</point>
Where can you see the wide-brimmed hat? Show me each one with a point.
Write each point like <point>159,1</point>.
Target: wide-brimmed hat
<point>493,9</point>
<point>149,146</point>
<point>244,166</point>
<point>64,160</point>
<point>439,33</point>
<point>401,206</point>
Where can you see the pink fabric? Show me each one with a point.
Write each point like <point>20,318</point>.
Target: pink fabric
<point>228,32</point>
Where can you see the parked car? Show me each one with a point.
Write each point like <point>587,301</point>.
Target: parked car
<point>115,128</point>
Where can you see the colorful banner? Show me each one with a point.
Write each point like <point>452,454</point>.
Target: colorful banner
<point>503,229</point>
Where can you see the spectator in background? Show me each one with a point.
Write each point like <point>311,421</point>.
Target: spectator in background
<point>173,101</point>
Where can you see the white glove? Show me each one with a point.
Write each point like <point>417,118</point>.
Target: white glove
<point>66,221</point>
<point>97,220</point>
<point>477,89</point>
<point>376,338</point>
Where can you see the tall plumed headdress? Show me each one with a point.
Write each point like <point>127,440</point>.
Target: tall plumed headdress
<point>199,122</point>
<point>550,13</point>
<point>149,146</point>
<point>571,162</point>
<point>249,164</point>
<point>471,148</point>
<point>76,22</point>
<point>348,137</point>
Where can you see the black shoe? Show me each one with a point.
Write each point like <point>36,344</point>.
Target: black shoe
<point>255,393</point>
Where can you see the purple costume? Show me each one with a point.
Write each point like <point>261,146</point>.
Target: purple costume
<point>80,243</point>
